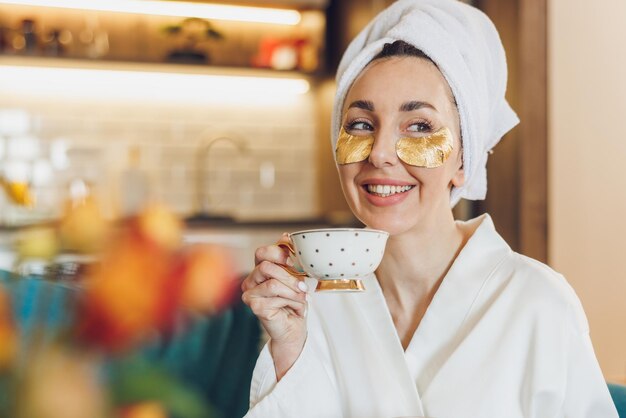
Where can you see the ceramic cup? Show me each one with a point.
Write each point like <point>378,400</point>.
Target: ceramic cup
<point>339,257</point>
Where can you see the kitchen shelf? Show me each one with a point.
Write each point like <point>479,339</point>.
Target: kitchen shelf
<point>160,67</point>
<point>138,42</point>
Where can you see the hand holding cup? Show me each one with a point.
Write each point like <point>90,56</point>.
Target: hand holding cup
<point>278,298</point>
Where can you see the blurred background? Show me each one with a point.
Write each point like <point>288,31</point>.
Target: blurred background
<point>221,112</point>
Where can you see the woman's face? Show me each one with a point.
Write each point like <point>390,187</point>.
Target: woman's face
<point>394,98</point>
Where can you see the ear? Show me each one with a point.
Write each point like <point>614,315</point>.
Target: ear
<point>459,177</point>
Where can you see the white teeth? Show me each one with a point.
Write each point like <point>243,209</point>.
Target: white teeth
<point>387,190</point>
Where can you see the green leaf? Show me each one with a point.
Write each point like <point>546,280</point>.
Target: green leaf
<point>135,380</point>
<point>7,394</point>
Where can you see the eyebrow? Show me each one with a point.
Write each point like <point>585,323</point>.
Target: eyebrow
<point>415,105</point>
<point>362,104</point>
<point>405,107</point>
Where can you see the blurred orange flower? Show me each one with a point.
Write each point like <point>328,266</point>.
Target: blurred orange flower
<point>160,226</point>
<point>142,282</point>
<point>129,294</point>
<point>210,278</point>
<point>144,410</point>
<point>144,279</point>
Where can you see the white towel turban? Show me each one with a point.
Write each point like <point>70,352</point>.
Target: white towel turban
<point>466,47</point>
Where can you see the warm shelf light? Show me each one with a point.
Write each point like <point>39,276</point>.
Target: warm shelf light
<point>174,8</point>
<point>149,87</point>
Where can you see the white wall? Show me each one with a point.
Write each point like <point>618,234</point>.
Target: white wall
<point>587,165</point>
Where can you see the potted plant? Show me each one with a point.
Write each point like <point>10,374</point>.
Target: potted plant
<point>193,31</point>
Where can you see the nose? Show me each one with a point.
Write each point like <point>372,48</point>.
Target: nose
<point>384,149</point>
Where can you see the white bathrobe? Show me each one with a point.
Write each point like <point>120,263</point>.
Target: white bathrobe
<point>504,337</point>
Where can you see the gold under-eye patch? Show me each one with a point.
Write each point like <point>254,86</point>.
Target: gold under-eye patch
<point>353,148</point>
<point>427,151</point>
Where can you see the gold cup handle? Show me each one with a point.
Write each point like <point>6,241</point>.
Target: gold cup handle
<point>293,271</point>
<point>287,246</point>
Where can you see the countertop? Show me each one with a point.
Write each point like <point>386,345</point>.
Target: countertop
<point>242,237</point>
<point>204,221</point>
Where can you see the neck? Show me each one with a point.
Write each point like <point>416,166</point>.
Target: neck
<point>416,261</point>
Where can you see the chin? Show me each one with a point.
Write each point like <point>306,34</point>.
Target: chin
<point>393,224</point>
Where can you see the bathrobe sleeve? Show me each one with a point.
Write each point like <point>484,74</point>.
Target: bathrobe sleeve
<point>586,393</point>
<point>308,389</point>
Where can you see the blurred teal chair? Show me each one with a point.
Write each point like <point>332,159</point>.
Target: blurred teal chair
<point>618,393</point>
<point>41,309</point>
<point>215,356</point>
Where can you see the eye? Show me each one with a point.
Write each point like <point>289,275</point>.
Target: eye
<point>359,126</point>
<point>420,127</point>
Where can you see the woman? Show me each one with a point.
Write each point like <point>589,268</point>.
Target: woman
<point>454,324</point>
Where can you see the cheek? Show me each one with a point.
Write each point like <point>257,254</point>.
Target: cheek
<point>432,181</point>
<point>347,172</point>
<point>440,177</point>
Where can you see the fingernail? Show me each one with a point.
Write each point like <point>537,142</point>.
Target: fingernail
<point>302,286</point>
<point>306,311</point>
<point>290,262</point>
<point>285,234</point>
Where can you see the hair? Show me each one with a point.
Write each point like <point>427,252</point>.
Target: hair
<point>401,49</point>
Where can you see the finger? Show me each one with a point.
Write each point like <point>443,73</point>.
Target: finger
<point>274,288</point>
<point>277,272</point>
<point>268,308</point>
<point>255,278</point>
<point>272,253</point>
<point>267,270</point>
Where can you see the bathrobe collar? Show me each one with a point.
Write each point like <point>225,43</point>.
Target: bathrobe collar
<point>451,304</point>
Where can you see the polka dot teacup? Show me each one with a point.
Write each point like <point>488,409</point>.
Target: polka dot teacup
<point>339,254</point>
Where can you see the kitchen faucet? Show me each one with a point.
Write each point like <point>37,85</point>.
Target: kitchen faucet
<point>202,193</point>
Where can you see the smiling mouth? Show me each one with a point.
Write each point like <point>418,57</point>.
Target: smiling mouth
<point>386,190</point>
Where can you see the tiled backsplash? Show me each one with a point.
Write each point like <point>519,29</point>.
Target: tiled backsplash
<point>176,154</point>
